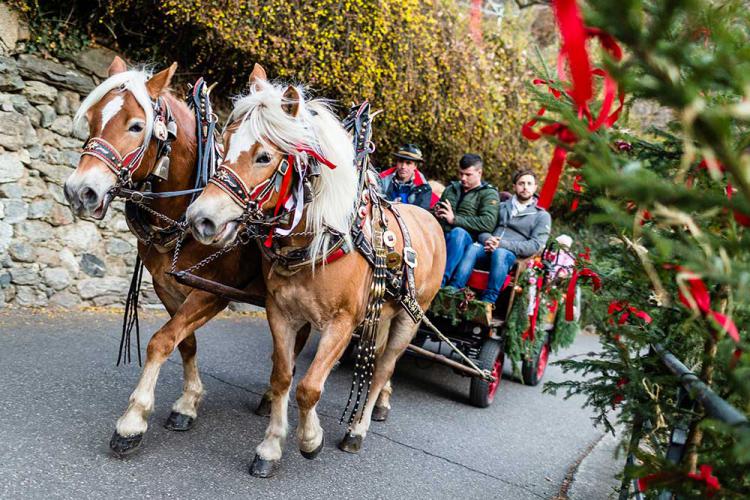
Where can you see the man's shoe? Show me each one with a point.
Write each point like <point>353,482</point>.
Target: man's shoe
<point>486,315</point>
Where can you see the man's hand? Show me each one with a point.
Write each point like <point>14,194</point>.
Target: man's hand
<point>491,243</point>
<point>445,211</point>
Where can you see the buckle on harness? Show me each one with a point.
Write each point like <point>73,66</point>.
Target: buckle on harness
<point>410,257</point>
<point>137,197</point>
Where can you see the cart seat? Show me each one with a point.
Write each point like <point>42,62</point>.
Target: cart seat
<point>479,279</point>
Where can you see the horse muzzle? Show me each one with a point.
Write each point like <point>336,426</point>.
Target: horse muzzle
<point>86,200</point>
<point>208,231</point>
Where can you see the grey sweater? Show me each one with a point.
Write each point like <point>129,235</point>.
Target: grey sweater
<point>526,233</point>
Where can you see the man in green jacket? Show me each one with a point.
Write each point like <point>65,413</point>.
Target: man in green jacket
<point>468,207</point>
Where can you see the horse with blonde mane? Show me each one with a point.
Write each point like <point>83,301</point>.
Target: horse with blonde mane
<point>128,116</point>
<point>272,131</point>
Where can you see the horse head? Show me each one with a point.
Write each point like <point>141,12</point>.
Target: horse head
<point>123,119</point>
<point>276,141</point>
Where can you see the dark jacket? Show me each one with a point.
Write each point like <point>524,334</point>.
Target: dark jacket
<point>416,192</point>
<point>475,211</point>
<point>526,233</point>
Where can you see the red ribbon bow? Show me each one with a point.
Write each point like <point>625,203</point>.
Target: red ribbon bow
<point>706,476</point>
<point>571,293</point>
<point>573,51</point>
<point>622,306</point>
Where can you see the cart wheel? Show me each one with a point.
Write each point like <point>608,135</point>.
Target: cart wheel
<point>491,357</point>
<point>532,370</point>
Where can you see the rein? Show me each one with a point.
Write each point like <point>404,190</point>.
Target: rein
<point>137,196</point>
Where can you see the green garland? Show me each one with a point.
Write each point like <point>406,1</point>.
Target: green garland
<point>458,305</point>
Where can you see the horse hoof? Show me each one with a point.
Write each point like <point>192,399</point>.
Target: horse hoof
<point>380,413</point>
<point>312,454</point>
<point>179,422</point>
<point>123,446</point>
<point>263,468</point>
<point>264,407</point>
<point>351,443</point>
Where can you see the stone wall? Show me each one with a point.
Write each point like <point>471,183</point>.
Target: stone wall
<point>48,258</point>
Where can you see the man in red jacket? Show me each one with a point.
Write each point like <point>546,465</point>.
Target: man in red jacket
<point>404,182</point>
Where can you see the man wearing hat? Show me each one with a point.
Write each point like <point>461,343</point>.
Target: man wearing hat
<point>404,182</point>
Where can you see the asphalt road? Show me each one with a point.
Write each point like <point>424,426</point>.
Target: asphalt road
<point>61,396</point>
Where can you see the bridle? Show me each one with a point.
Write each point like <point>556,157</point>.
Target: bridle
<point>164,132</point>
<point>125,166</point>
<point>252,200</point>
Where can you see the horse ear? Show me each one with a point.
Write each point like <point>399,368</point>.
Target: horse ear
<point>160,81</point>
<point>291,101</point>
<point>117,66</point>
<point>258,74</point>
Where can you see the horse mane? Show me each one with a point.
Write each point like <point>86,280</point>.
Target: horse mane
<point>135,82</point>
<point>316,126</point>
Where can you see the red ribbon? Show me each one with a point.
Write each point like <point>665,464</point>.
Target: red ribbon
<point>578,189</point>
<point>571,293</point>
<point>704,476</point>
<point>574,52</point>
<point>694,295</point>
<point>718,167</point>
<point>529,334</point>
<point>619,396</point>
<point>316,155</point>
<point>284,194</point>
<point>626,309</point>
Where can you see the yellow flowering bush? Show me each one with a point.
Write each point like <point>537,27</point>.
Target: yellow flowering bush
<point>412,58</point>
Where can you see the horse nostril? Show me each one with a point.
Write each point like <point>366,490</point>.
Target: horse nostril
<point>205,227</point>
<point>89,197</point>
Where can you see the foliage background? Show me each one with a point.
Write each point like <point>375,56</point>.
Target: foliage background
<point>414,59</point>
<point>649,207</point>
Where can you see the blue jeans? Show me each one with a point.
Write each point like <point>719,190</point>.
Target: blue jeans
<point>499,261</point>
<point>457,241</point>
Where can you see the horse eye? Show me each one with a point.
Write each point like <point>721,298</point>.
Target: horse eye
<point>263,158</point>
<point>136,127</point>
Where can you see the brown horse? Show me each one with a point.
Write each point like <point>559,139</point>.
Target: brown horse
<point>122,118</point>
<point>273,129</point>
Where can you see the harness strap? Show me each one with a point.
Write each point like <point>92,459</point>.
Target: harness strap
<point>104,151</point>
<point>228,181</point>
<point>408,298</point>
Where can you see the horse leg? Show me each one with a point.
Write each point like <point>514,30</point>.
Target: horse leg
<point>264,407</point>
<point>185,409</point>
<point>268,452</point>
<point>401,332</point>
<point>333,341</point>
<point>193,313</point>
<point>383,403</point>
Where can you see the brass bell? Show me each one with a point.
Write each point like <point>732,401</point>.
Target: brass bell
<point>162,168</point>
<point>160,129</point>
<point>172,129</point>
